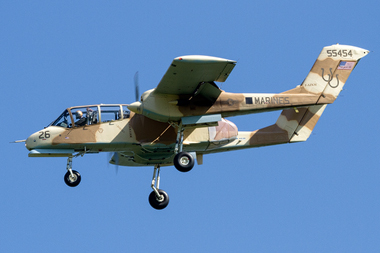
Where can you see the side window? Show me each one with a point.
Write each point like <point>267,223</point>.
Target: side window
<point>110,113</point>
<point>92,115</point>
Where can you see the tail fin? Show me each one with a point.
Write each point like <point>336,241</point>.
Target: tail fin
<point>330,72</point>
<point>326,80</point>
<point>300,122</point>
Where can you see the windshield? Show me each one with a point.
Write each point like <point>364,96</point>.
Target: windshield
<point>63,121</point>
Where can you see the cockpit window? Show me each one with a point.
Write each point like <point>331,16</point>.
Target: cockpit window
<point>63,121</point>
<point>110,113</point>
<point>89,115</point>
<point>126,113</point>
<point>85,116</point>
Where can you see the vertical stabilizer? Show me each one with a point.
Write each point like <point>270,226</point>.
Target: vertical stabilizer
<point>330,72</point>
<point>309,100</point>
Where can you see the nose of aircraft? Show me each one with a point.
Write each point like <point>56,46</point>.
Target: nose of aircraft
<point>40,139</point>
<point>44,139</point>
<point>31,141</point>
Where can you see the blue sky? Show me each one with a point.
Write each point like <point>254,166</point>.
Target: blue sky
<point>318,196</point>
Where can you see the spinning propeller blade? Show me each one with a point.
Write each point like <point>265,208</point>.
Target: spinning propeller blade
<point>136,80</point>
<point>113,158</point>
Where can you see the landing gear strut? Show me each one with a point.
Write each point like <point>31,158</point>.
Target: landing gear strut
<point>183,161</point>
<point>72,177</point>
<point>158,198</point>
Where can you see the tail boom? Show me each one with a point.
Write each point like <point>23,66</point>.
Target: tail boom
<point>303,105</point>
<point>293,125</point>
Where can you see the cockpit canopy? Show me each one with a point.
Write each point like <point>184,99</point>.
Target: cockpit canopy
<point>91,114</point>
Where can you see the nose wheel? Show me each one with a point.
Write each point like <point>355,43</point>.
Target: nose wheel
<point>158,198</point>
<point>72,177</point>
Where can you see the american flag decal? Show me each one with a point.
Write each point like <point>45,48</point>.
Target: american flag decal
<point>348,65</point>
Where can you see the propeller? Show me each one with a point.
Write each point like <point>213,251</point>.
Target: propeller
<point>136,81</point>
<point>113,158</point>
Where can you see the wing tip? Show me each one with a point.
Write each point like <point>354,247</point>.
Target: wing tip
<point>201,58</point>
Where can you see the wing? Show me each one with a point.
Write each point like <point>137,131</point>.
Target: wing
<point>187,73</point>
<point>188,82</point>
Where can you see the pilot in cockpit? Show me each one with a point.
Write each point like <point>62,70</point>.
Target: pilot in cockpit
<point>81,120</point>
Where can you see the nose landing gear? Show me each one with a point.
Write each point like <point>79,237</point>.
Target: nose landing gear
<point>72,177</point>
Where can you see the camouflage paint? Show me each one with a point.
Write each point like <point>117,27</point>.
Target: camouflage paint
<point>149,135</point>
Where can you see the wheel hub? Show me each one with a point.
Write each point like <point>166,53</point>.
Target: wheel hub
<point>184,160</point>
<point>160,199</point>
<point>73,178</point>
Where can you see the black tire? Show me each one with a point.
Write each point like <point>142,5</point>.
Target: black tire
<point>155,203</point>
<point>72,182</point>
<point>183,161</point>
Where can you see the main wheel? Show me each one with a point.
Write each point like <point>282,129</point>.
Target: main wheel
<point>183,161</point>
<point>159,203</point>
<point>72,181</point>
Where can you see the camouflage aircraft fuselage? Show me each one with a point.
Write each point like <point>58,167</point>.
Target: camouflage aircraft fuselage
<point>149,134</point>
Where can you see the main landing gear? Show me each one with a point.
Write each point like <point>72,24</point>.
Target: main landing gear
<point>183,161</point>
<point>72,177</point>
<point>158,198</point>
